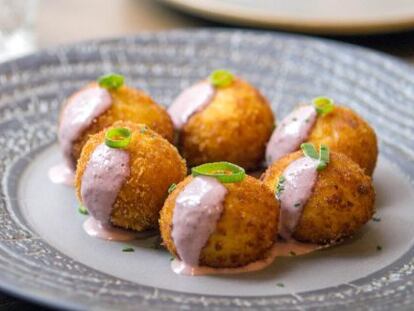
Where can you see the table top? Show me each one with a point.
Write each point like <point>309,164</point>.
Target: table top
<point>132,16</point>
<point>64,22</point>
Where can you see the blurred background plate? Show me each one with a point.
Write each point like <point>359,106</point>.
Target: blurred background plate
<point>310,16</point>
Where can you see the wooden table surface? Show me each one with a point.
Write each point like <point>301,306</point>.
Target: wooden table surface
<point>63,22</point>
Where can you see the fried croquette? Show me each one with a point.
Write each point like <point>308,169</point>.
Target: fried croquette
<point>343,130</point>
<point>154,165</point>
<point>245,230</point>
<point>234,127</point>
<point>341,202</point>
<point>127,104</point>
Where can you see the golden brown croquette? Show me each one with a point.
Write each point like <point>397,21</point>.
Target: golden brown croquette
<point>341,202</point>
<point>343,130</point>
<point>234,127</point>
<point>128,104</point>
<point>154,165</point>
<point>245,231</point>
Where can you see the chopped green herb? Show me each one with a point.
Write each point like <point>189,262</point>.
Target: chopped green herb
<point>323,157</point>
<point>128,249</point>
<point>280,285</point>
<point>172,188</point>
<point>377,219</point>
<point>280,186</point>
<point>172,258</point>
<point>221,78</point>
<point>323,105</point>
<point>292,253</point>
<point>111,81</point>
<point>309,151</point>
<point>297,205</point>
<point>379,247</point>
<point>82,210</point>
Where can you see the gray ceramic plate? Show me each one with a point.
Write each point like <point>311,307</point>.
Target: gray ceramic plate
<point>44,254</point>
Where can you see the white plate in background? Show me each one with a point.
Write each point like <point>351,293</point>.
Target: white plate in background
<point>310,16</point>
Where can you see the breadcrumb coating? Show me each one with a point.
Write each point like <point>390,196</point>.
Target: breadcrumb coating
<point>154,165</point>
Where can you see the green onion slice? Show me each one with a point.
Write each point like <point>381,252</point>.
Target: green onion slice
<point>82,210</point>
<point>224,172</point>
<point>128,249</point>
<point>221,78</point>
<point>111,81</point>
<point>323,157</point>
<point>309,151</point>
<point>172,188</point>
<point>323,105</point>
<point>280,186</point>
<point>117,137</point>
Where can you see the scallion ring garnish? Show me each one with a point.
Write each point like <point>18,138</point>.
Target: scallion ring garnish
<point>111,81</point>
<point>172,188</point>
<point>117,137</point>
<point>224,172</point>
<point>221,78</point>
<point>322,158</point>
<point>323,105</point>
<point>309,151</point>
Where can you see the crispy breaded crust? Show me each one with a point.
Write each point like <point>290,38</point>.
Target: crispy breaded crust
<point>234,127</point>
<point>128,104</point>
<point>343,130</point>
<point>154,165</point>
<point>341,203</point>
<point>246,230</point>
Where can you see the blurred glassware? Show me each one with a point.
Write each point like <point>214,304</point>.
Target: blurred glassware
<point>16,28</point>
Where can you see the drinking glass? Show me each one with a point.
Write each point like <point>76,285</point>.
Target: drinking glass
<point>16,28</point>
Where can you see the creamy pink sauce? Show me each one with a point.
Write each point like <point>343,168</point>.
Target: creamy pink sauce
<point>197,209</point>
<point>104,175</point>
<point>189,102</point>
<point>279,249</point>
<point>300,178</point>
<point>80,111</point>
<point>292,131</point>
<point>96,229</point>
<point>62,174</point>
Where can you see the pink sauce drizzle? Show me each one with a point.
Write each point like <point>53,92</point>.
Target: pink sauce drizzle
<point>62,174</point>
<point>300,178</point>
<point>292,131</point>
<point>79,113</point>
<point>105,173</point>
<point>189,102</point>
<point>197,209</point>
<point>107,232</point>
<point>279,249</point>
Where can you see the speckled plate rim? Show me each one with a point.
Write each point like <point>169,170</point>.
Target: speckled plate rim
<point>15,168</point>
<point>237,15</point>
